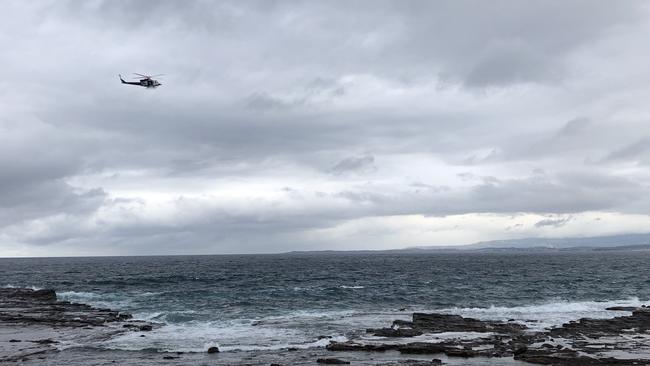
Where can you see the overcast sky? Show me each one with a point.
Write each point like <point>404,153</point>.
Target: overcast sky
<point>300,125</point>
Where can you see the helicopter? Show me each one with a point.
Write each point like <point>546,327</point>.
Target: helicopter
<point>145,80</point>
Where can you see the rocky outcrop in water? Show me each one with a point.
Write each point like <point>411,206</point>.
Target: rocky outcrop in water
<point>34,322</point>
<point>623,340</point>
<point>27,306</point>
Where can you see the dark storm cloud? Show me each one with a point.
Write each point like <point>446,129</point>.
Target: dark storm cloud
<point>347,103</point>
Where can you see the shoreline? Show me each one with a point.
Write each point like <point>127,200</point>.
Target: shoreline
<point>36,327</point>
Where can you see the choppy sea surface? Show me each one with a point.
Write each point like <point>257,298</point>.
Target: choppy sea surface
<point>274,302</point>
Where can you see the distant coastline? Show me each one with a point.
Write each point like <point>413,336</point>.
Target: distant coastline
<point>625,242</point>
<point>595,243</point>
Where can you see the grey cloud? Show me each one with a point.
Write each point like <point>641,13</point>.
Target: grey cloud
<point>315,91</point>
<point>575,127</point>
<point>512,62</point>
<point>263,102</point>
<point>359,164</point>
<point>579,139</point>
<point>632,151</point>
<point>553,222</point>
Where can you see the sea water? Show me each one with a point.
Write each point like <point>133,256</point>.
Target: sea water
<point>303,301</point>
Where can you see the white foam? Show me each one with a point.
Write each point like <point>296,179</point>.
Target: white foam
<point>29,287</point>
<point>547,314</point>
<point>108,300</point>
<point>351,287</point>
<point>228,336</point>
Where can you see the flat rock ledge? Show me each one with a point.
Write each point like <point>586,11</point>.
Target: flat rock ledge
<point>622,340</point>
<point>34,322</point>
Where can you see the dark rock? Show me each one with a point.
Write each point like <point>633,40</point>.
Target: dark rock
<point>332,361</point>
<point>145,328</point>
<point>434,323</point>
<point>402,324</point>
<point>621,308</point>
<point>30,307</point>
<point>45,341</point>
<point>511,339</point>
<point>519,349</point>
<point>14,340</point>
<point>213,350</point>
<point>351,346</point>
<point>434,362</point>
<point>422,348</point>
<point>456,352</point>
<point>391,332</point>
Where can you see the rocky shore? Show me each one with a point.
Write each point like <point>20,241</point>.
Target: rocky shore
<point>35,327</point>
<point>34,323</point>
<point>623,340</point>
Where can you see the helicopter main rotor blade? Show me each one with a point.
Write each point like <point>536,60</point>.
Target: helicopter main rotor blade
<point>157,75</point>
<point>144,76</point>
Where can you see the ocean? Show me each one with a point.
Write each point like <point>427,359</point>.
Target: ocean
<point>303,301</point>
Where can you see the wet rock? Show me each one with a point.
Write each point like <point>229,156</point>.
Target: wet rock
<point>582,345</point>
<point>44,295</point>
<point>392,332</point>
<point>145,328</point>
<point>582,342</point>
<point>438,323</point>
<point>45,341</point>
<point>434,362</point>
<point>456,352</point>
<point>422,348</point>
<point>519,349</point>
<point>213,350</point>
<point>332,361</point>
<point>352,346</point>
<point>621,308</point>
<point>40,307</point>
